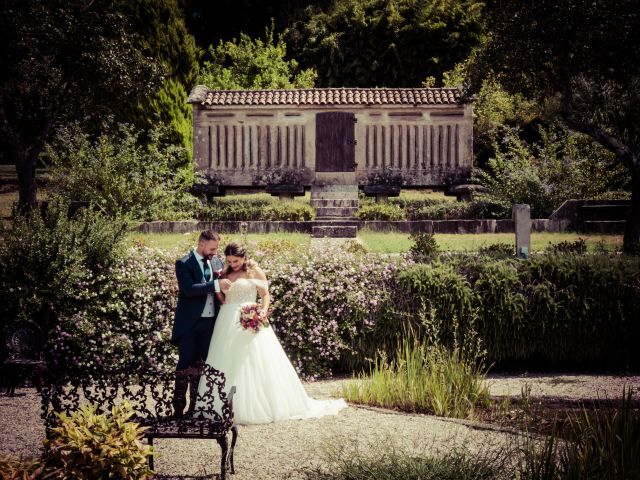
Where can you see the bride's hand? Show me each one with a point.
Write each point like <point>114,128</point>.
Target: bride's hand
<point>225,284</point>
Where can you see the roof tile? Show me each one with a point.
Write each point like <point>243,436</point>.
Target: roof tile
<point>334,96</point>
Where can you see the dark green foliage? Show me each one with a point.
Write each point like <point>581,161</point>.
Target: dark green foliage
<point>484,208</point>
<point>211,21</point>
<point>434,293</point>
<point>162,35</point>
<point>46,259</point>
<point>558,167</point>
<point>562,309</point>
<point>424,246</point>
<point>61,60</point>
<point>230,209</point>
<point>604,444</point>
<point>582,58</point>
<point>122,175</point>
<point>579,247</point>
<point>253,64</point>
<point>398,43</point>
<point>497,250</point>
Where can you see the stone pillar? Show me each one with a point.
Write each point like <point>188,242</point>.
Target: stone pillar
<point>522,223</point>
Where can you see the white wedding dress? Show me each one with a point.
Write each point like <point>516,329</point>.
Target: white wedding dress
<point>267,386</point>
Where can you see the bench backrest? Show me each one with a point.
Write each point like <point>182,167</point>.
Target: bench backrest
<point>150,393</point>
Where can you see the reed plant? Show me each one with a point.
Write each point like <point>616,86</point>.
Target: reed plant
<point>394,466</point>
<point>423,378</point>
<point>601,444</point>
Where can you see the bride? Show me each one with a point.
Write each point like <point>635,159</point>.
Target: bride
<point>267,386</point>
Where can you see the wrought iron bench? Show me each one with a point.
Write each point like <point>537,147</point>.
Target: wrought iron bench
<point>150,394</point>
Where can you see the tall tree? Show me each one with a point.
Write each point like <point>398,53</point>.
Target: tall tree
<point>253,64</point>
<point>584,54</point>
<point>62,59</point>
<point>393,43</point>
<point>163,36</point>
<point>211,21</point>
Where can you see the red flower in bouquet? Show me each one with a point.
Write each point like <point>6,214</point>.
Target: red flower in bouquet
<point>252,318</point>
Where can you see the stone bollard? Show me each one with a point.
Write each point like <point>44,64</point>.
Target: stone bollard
<point>522,222</point>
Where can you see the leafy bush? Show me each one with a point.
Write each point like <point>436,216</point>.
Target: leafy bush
<point>564,309</point>
<point>255,209</point>
<point>126,319</point>
<point>424,246</point>
<point>497,250</point>
<point>87,445</point>
<point>23,469</point>
<point>45,258</point>
<point>289,211</point>
<point>483,208</point>
<point>387,176</point>
<point>123,175</point>
<point>253,64</point>
<point>380,211</point>
<point>579,247</point>
<point>335,310</point>
<point>411,204</point>
<point>562,165</point>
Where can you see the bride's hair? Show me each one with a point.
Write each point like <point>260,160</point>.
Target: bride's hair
<point>236,250</point>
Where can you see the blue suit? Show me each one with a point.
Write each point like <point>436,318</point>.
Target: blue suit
<point>192,294</point>
<point>192,332</point>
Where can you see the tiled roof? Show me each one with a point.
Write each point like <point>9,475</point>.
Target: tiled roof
<point>332,96</point>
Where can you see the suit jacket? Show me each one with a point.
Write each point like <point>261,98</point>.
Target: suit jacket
<point>192,294</point>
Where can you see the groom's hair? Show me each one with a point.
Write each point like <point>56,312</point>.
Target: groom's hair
<point>207,235</point>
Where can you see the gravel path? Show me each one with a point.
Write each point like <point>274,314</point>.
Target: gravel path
<point>280,450</point>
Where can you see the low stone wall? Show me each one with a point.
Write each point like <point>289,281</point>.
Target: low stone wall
<point>426,226</point>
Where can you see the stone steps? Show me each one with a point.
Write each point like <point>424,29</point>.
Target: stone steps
<point>334,202</point>
<point>340,212</point>
<point>334,231</point>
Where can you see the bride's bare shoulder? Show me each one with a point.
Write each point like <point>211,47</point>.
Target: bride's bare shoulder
<point>255,271</point>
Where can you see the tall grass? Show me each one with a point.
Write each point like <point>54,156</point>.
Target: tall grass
<point>431,379</point>
<point>393,466</point>
<point>603,444</point>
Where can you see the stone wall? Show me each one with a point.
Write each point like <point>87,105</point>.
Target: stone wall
<point>426,226</point>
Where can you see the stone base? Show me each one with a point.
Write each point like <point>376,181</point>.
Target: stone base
<point>334,231</point>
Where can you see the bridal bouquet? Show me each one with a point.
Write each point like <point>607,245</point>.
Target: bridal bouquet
<point>252,318</point>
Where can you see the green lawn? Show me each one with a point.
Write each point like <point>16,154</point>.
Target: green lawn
<point>178,243</point>
<point>381,242</point>
<point>397,242</point>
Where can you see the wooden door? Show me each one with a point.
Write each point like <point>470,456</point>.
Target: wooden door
<point>335,142</point>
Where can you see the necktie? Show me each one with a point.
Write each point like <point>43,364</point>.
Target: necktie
<point>207,270</point>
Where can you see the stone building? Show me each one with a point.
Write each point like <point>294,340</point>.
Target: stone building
<point>333,135</point>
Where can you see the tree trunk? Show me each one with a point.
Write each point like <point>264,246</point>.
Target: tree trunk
<point>26,169</point>
<point>632,226</point>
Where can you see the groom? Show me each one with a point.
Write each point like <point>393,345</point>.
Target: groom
<point>197,274</point>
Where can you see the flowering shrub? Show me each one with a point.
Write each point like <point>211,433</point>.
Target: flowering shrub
<point>127,321</point>
<point>387,176</point>
<point>324,302</point>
